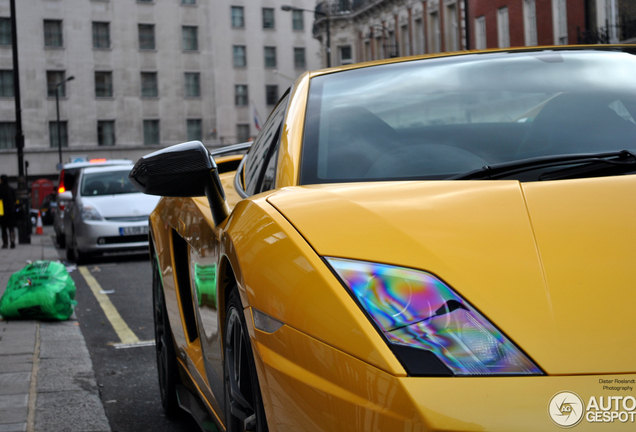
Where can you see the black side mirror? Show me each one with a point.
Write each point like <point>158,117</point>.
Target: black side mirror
<point>182,170</point>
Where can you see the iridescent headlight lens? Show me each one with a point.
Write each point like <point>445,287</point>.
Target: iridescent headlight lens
<point>415,309</point>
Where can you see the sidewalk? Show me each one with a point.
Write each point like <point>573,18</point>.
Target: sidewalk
<point>47,382</point>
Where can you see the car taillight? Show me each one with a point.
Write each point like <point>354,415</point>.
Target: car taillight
<point>61,206</point>
<point>61,187</point>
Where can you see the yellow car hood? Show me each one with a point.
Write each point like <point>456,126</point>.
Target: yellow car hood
<point>549,263</point>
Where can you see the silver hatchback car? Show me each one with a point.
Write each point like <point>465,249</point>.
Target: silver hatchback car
<point>105,213</point>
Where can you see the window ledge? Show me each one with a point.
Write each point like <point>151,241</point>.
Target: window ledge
<point>102,49</point>
<point>105,97</point>
<point>54,48</point>
<point>154,50</point>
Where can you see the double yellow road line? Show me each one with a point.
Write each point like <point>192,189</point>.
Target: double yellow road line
<point>126,336</point>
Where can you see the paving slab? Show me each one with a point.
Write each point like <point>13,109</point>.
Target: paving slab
<point>12,383</point>
<point>13,427</point>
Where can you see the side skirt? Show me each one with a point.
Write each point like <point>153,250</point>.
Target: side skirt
<point>193,405</point>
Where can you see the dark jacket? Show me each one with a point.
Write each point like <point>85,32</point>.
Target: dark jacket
<point>7,195</point>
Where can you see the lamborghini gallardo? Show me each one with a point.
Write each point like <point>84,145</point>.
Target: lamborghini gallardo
<point>439,243</point>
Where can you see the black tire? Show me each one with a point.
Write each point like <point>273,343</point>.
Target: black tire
<point>74,254</point>
<point>70,253</point>
<point>243,402</point>
<point>167,368</point>
<point>59,238</point>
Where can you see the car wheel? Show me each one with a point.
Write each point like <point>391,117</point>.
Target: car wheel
<point>59,238</point>
<point>70,254</point>
<point>243,401</point>
<point>73,253</point>
<point>166,357</point>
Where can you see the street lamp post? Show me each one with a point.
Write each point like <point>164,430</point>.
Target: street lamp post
<point>326,15</point>
<point>57,108</point>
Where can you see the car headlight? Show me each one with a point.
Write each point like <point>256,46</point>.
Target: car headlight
<point>90,214</point>
<point>420,315</point>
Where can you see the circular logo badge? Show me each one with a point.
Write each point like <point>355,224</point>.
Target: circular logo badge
<point>566,409</point>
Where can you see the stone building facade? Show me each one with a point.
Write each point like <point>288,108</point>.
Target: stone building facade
<point>147,74</point>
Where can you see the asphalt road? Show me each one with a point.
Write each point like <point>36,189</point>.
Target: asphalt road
<point>127,377</point>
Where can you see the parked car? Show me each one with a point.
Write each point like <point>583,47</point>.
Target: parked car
<point>66,181</point>
<point>415,244</point>
<point>105,213</point>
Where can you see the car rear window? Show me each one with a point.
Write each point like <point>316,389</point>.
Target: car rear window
<point>107,183</point>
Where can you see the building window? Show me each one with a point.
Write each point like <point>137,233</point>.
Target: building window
<point>239,56</point>
<point>268,18</point>
<point>5,31</point>
<point>190,38</point>
<point>105,133</point>
<point>405,48</point>
<point>103,84</point>
<point>188,1</point>
<point>503,30</point>
<point>530,22</point>
<point>145,1</point>
<point>299,58</point>
<point>344,52</point>
<point>435,33</point>
<point>418,37</point>
<point>53,78</point>
<point>6,83</point>
<point>149,86</point>
<point>192,84</point>
<point>452,28</point>
<point>271,94</point>
<point>53,33</point>
<point>53,134</point>
<point>270,56</point>
<point>298,20</point>
<point>7,135</point>
<point>151,132</point>
<point>242,132</point>
<point>238,17</point>
<point>146,36</point>
<point>480,33</point>
<point>561,22</point>
<point>240,95</point>
<point>101,35</point>
<point>194,129</point>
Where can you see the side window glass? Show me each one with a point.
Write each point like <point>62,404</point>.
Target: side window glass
<point>265,149</point>
<point>269,176</point>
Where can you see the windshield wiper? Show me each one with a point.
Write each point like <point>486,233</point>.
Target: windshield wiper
<point>624,160</point>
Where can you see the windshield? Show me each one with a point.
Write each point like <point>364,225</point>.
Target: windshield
<point>107,183</point>
<point>439,118</point>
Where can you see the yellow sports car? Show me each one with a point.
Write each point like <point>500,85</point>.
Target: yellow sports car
<point>439,243</point>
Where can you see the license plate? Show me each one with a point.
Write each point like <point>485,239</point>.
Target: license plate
<point>133,230</point>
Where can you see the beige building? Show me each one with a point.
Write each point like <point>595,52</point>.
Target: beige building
<point>147,74</point>
<point>364,30</point>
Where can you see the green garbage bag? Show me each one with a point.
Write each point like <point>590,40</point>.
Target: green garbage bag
<point>41,290</point>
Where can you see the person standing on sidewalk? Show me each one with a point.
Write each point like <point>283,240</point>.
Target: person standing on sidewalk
<point>7,220</point>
